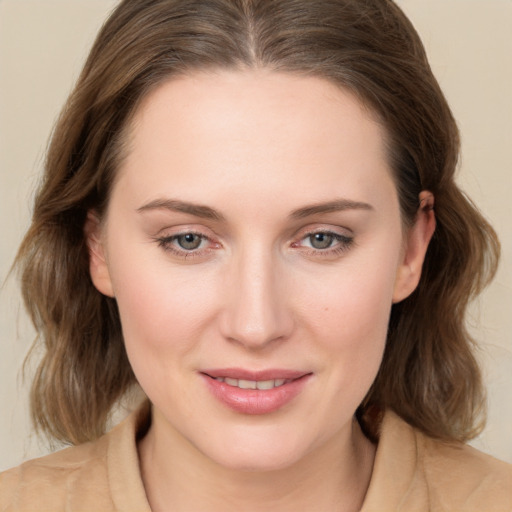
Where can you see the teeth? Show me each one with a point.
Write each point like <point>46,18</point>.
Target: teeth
<point>247,384</point>
<point>265,384</point>
<point>252,384</point>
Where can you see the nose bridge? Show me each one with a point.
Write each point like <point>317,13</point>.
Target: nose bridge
<point>257,312</point>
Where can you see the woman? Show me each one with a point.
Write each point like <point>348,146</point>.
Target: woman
<point>249,210</point>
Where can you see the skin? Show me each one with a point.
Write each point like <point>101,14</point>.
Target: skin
<point>257,293</point>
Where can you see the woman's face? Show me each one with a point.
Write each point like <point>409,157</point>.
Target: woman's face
<point>253,240</point>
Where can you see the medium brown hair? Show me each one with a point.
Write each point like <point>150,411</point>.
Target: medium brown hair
<point>428,375</point>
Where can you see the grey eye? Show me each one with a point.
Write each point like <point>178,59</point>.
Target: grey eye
<point>321,240</point>
<point>189,241</point>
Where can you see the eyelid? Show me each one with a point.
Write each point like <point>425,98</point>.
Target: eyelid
<point>334,234</point>
<point>338,231</point>
<point>166,242</point>
<point>344,241</point>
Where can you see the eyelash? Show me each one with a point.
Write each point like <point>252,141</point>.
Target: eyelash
<point>166,243</point>
<point>343,244</point>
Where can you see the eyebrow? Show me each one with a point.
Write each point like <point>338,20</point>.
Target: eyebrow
<point>175,205</point>
<point>206,212</point>
<point>329,207</point>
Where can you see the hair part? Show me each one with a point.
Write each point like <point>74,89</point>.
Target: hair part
<point>429,375</point>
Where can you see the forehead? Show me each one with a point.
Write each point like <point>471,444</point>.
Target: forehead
<point>255,132</point>
<point>244,99</point>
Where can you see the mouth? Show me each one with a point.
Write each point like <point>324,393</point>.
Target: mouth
<point>253,384</point>
<point>260,392</point>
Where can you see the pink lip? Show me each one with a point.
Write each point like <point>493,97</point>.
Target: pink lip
<point>241,373</point>
<point>255,401</point>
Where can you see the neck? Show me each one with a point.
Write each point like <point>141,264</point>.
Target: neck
<point>333,477</point>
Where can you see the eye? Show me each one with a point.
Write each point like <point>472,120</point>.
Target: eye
<point>187,244</point>
<point>324,243</point>
<point>189,241</point>
<point>321,240</point>
<point>325,240</point>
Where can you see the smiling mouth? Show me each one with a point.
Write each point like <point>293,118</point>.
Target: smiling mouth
<point>253,384</point>
<point>255,392</point>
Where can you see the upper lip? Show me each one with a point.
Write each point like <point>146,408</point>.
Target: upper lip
<point>255,375</point>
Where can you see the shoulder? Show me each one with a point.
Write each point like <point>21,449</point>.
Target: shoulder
<point>413,472</point>
<point>467,476</point>
<point>102,476</point>
<point>57,481</point>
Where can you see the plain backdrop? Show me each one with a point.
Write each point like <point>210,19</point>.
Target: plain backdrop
<point>469,42</point>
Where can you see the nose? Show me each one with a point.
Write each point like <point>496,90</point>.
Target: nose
<point>256,313</point>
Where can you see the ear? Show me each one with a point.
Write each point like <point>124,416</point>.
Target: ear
<point>415,247</point>
<point>98,267</point>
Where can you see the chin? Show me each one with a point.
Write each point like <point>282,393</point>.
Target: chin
<point>257,452</point>
<point>257,462</point>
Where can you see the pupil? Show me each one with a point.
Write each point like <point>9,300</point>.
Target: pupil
<point>189,241</point>
<point>321,240</point>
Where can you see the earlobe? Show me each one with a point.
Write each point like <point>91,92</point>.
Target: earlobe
<point>415,248</point>
<point>98,267</point>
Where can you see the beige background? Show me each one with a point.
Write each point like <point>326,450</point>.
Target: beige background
<point>42,46</point>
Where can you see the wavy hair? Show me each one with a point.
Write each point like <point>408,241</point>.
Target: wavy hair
<point>429,375</point>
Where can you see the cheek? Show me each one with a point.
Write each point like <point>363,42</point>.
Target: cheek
<point>348,315</point>
<point>162,310</point>
<point>352,304</point>
<point>163,318</point>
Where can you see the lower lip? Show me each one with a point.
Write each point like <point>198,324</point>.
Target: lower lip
<point>255,401</point>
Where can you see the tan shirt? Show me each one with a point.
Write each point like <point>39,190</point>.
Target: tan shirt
<point>412,473</point>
